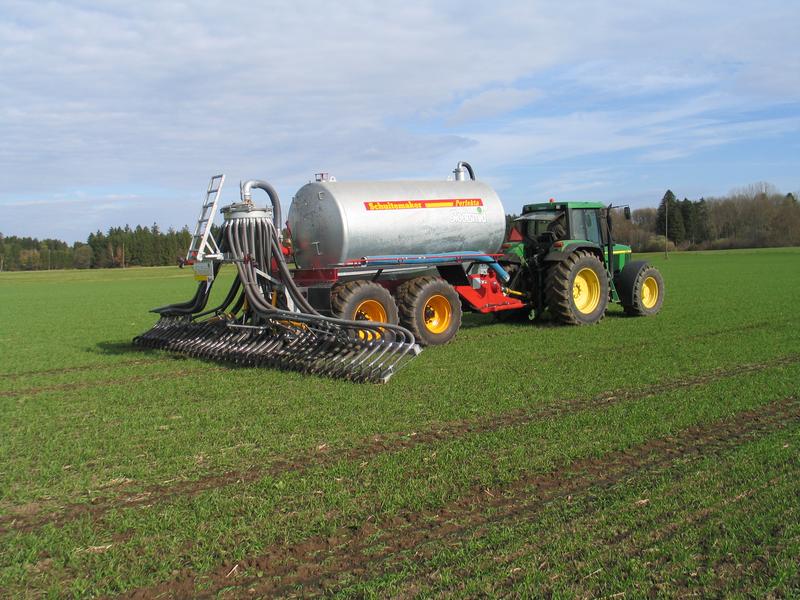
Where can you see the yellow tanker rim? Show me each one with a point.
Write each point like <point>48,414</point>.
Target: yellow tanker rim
<point>586,291</point>
<point>370,310</point>
<point>437,314</point>
<point>649,292</point>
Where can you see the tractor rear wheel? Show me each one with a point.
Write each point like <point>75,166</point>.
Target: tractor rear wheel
<point>431,309</point>
<point>577,289</point>
<point>648,293</point>
<point>363,301</point>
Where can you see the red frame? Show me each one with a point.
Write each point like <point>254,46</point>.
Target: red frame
<point>489,296</point>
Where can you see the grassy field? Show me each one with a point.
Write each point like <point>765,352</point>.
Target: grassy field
<point>636,457</point>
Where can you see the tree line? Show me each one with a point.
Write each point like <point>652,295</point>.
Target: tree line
<point>118,247</point>
<point>755,216</point>
<point>752,217</point>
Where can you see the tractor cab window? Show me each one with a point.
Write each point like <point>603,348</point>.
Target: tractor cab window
<point>585,225</point>
<point>535,224</point>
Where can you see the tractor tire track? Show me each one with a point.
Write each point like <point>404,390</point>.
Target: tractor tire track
<point>379,444</point>
<point>697,336</point>
<point>616,544</point>
<point>709,564</point>
<point>85,385</point>
<point>78,369</point>
<point>731,436</point>
<point>624,544</point>
<point>318,562</point>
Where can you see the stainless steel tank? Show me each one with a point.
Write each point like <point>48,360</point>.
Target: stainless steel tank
<point>334,221</point>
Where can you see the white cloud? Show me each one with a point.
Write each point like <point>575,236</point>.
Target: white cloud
<point>492,103</point>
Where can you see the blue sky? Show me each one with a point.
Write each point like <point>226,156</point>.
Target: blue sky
<point>119,112</point>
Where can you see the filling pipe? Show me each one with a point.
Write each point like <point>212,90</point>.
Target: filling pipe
<point>273,197</point>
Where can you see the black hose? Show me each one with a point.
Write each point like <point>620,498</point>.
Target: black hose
<point>468,167</point>
<point>238,235</point>
<point>225,303</point>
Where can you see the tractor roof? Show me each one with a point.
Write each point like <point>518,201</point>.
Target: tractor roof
<point>560,206</point>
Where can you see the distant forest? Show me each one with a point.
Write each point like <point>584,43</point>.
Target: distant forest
<point>752,217</point>
<point>118,247</point>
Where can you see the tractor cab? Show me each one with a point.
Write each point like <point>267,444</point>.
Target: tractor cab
<point>564,227</point>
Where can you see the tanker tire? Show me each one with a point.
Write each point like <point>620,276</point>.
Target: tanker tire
<point>559,285</point>
<point>414,297</point>
<point>639,307</point>
<point>347,297</point>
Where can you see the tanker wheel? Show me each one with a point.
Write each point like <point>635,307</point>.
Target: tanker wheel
<point>363,301</point>
<point>577,289</point>
<point>648,293</point>
<point>431,309</point>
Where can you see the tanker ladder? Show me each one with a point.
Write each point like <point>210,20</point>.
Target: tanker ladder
<point>264,319</point>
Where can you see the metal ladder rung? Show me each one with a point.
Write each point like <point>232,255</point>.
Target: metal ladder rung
<point>202,243</point>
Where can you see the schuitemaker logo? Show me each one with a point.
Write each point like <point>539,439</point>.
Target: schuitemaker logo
<point>408,204</point>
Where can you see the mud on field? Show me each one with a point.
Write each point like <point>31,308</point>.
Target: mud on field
<point>369,447</point>
<point>378,547</point>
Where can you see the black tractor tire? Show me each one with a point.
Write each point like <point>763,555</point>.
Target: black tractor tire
<point>431,309</point>
<point>565,299</point>
<point>648,294</point>
<point>363,301</point>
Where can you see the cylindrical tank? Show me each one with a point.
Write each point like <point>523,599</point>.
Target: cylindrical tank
<point>335,221</point>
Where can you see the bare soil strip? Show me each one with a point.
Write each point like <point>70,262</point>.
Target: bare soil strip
<point>369,447</point>
<point>317,563</point>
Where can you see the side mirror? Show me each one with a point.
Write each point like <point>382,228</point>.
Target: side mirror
<point>627,211</point>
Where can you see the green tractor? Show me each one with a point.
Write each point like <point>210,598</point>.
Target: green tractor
<point>567,263</point>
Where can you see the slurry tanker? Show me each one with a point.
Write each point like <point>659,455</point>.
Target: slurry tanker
<point>384,268</point>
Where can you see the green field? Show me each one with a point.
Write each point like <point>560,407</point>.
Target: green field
<point>638,457</point>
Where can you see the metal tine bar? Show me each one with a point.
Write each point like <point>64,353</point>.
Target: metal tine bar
<point>364,358</point>
<point>299,340</point>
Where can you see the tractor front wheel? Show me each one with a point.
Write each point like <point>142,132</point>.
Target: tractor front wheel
<point>577,289</point>
<point>431,309</point>
<point>648,293</point>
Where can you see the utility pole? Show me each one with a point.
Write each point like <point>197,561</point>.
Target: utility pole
<point>123,255</point>
<point>666,228</point>
<point>48,258</point>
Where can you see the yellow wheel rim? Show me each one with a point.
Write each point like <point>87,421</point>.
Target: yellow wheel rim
<point>649,292</point>
<point>586,291</point>
<point>370,310</point>
<point>437,314</point>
